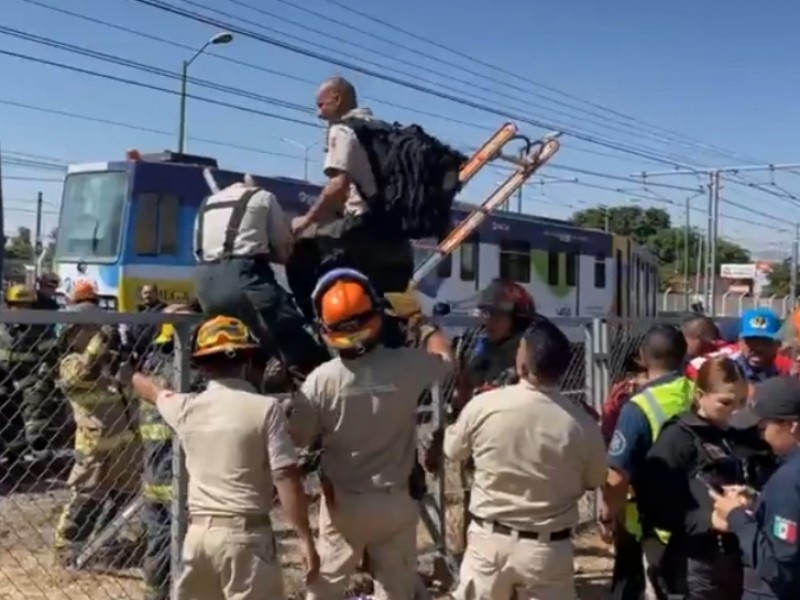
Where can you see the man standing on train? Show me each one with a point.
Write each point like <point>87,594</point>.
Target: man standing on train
<point>239,231</point>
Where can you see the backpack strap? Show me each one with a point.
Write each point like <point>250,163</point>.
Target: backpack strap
<point>365,131</point>
<point>234,222</point>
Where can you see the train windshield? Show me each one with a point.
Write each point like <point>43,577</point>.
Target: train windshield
<point>92,210</point>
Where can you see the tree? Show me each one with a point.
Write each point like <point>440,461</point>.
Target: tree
<point>780,279</point>
<point>640,223</point>
<point>20,246</point>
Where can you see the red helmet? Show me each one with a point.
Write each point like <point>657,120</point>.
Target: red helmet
<point>504,295</point>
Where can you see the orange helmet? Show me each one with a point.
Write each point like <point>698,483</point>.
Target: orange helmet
<point>84,291</point>
<point>222,335</point>
<point>347,309</point>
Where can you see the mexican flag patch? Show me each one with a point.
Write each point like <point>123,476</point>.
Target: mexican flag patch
<point>785,530</point>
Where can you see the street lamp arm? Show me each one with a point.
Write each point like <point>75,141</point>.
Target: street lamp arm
<point>198,53</point>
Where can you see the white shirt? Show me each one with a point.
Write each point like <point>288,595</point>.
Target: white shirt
<point>264,228</point>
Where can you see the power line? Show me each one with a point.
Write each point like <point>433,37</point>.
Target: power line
<point>194,16</point>
<point>156,88</point>
<point>144,129</point>
<point>475,60</point>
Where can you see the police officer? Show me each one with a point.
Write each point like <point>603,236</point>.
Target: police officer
<point>106,474</point>
<point>768,529</point>
<point>667,393</point>
<point>337,221</point>
<point>156,438</point>
<point>239,231</point>
<point>29,357</point>
<point>45,295</point>
<point>363,405</point>
<point>536,452</point>
<point>237,445</point>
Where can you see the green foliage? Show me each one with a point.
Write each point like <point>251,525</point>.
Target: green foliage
<point>652,227</point>
<point>780,279</point>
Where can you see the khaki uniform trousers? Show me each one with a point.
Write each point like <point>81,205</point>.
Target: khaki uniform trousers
<point>500,566</point>
<point>230,558</point>
<point>382,524</point>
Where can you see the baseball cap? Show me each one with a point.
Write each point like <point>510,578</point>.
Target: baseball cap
<point>776,398</point>
<point>760,323</point>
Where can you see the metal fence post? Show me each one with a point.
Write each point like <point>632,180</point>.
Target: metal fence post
<point>179,475</point>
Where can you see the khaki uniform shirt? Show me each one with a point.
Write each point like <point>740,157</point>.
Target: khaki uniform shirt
<point>346,154</point>
<point>265,228</point>
<point>233,439</point>
<point>535,455</point>
<point>366,412</point>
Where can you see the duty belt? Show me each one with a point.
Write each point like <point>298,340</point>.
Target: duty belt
<point>258,258</point>
<point>496,527</point>
<point>231,521</point>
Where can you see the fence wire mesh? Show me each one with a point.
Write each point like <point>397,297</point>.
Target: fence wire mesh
<point>90,499</point>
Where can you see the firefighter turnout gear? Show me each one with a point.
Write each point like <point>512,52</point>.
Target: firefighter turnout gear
<point>34,414</point>
<point>108,459</point>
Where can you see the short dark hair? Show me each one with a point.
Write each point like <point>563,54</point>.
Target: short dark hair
<point>665,345</point>
<point>702,325</point>
<point>548,350</point>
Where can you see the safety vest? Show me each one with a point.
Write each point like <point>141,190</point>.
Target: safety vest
<point>659,404</point>
<point>156,438</point>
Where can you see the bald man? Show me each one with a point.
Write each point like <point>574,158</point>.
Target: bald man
<point>337,222</point>
<point>702,336</point>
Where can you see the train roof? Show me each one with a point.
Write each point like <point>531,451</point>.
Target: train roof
<point>507,214</point>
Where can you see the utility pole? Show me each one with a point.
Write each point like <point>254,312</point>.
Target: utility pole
<point>686,238</point>
<point>714,178</point>
<point>37,235</point>
<point>519,191</point>
<point>793,273</point>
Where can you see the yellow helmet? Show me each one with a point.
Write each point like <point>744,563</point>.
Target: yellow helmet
<point>20,294</point>
<point>222,335</point>
<point>403,305</point>
<point>165,335</point>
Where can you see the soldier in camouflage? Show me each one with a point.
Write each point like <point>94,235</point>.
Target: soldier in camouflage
<point>107,472</point>
<point>157,449</point>
<point>28,354</point>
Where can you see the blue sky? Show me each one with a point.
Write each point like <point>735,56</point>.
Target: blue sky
<point>703,83</point>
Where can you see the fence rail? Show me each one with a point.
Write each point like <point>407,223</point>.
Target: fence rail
<point>728,304</point>
<point>109,525</point>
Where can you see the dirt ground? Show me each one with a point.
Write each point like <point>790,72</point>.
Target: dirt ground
<point>28,570</point>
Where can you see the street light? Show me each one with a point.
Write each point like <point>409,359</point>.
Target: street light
<point>220,38</point>
<point>306,148</point>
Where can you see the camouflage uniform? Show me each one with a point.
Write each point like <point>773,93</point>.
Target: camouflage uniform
<point>105,476</point>
<point>156,438</point>
<point>28,355</point>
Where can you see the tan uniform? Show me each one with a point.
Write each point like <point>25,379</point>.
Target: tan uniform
<point>535,454</point>
<point>345,153</point>
<point>233,439</point>
<point>365,412</point>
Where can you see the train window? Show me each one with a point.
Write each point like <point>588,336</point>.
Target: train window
<point>445,268</point>
<point>572,268</point>
<point>600,270</point>
<point>552,268</point>
<point>468,267</point>
<point>145,235</point>
<point>515,260</point>
<point>155,230</point>
<point>168,217</point>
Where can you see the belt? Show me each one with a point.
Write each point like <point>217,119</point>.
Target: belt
<point>495,527</point>
<point>231,521</point>
<point>259,258</point>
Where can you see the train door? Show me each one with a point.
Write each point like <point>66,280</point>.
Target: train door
<point>572,278</point>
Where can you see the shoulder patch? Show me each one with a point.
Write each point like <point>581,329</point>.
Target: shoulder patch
<point>785,530</point>
<point>618,444</point>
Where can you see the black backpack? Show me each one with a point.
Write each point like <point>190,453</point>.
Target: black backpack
<point>416,176</point>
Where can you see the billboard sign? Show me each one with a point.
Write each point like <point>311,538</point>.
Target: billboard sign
<point>738,271</point>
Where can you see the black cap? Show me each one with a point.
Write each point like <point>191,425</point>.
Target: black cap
<point>776,398</point>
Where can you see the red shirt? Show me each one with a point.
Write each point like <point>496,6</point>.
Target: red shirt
<point>782,364</point>
<point>618,396</point>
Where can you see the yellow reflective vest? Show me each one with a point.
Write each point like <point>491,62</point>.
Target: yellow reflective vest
<point>659,404</point>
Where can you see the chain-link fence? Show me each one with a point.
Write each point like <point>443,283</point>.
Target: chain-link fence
<point>92,495</point>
